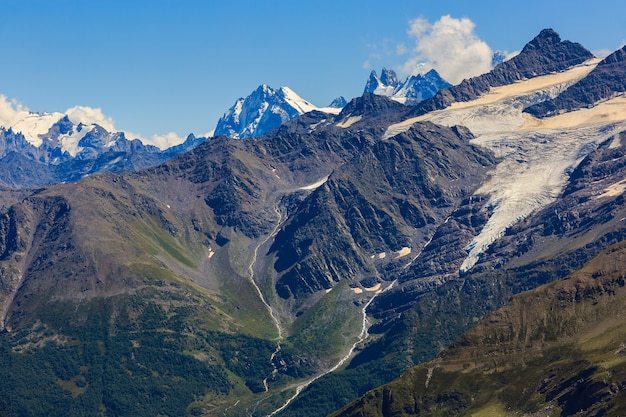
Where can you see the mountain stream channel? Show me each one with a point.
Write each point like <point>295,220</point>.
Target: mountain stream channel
<point>365,323</point>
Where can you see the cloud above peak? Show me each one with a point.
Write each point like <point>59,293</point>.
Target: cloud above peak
<point>13,112</point>
<point>450,46</point>
<point>90,115</point>
<point>10,111</point>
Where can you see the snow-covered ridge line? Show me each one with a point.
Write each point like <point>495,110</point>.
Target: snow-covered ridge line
<point>521,91</point>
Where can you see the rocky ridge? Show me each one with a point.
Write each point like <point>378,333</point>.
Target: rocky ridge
<point>606,81</point>
<point>333,242</point>
<point>545,54</point>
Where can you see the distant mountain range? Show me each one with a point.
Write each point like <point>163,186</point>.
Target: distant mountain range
<point>265,108</point>
<point>414,89</point>
<point>45,148</point>
<point>460,256</point>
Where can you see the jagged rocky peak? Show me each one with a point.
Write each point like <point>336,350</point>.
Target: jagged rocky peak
<point>262,111</point>
<point>384,85</point>
<point>338,103</point>
<point>389,77</point>
<point>547,38</point>
<point>415,88</point>
<point>420,87</point>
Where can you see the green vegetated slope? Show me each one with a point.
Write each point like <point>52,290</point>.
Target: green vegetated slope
<point>102,315</point>
<point>123,292</point>
<point>558,350</point>
<point>133,294</point>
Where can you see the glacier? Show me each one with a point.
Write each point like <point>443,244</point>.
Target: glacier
<point>536,155</point>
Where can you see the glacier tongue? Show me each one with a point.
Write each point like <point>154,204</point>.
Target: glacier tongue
<point>536,155</point>
<point>531,175</point>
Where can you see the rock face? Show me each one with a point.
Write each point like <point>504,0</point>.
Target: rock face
<point>545,54</point>
<point>607,80</point>
<point>211,282</point>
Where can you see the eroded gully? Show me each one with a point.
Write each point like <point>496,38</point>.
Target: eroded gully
<point>365,323</point>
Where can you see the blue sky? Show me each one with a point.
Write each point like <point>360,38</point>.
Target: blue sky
<point>157,67</point>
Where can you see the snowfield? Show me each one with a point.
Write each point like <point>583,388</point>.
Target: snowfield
<point>536,154</point>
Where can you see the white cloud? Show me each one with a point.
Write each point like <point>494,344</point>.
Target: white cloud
<point>10,111</point>
<point>90,115</point>
<point>450,46</point>
<point>164,141</point>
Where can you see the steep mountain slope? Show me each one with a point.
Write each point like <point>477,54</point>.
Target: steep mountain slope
<point>289,273</point>
<point>555,350</point>
<point>545,54</point>
<point>606,81</point>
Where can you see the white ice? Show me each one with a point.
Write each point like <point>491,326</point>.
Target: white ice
<point>536,154</point>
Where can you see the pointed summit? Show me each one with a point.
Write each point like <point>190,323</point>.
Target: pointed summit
<point>547,38</point>
<point>389,77</point>
<point>414,89</point>
<point>263,110</point>
<point>385,85</point>
<point>338,103</point>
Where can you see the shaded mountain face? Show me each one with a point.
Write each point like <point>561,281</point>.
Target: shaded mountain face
<point>606,81</point>
<point>545,54</point>
<point>554,350</point>
<point>67,152</point>
<point>330,254</point>
<point>385,200</point>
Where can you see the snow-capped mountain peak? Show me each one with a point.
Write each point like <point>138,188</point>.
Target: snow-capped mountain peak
<point>385,85</point>
<point>31,125</point>
<point>417,87</point>
<point>294,100</point>
<point>263,110</point>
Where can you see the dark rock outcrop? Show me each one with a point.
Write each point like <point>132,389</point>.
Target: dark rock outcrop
<point>604,82</point>
<point>387,197</point>
<point>545,54</point>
